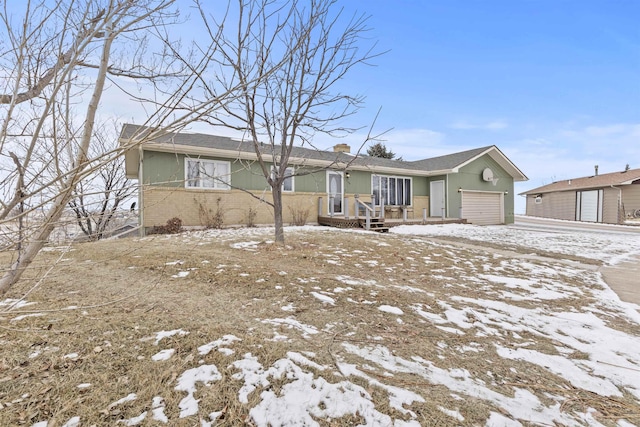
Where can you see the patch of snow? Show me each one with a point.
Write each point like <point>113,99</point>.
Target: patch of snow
<point>226,340</point>
<point>163,355</point>
<point>72,422</point>
<point>180,274</point>
<point>128,398</point>
<point>291,322</point>
<point>157,410</point>
<point>25,316</point>
<point>166,334</point>
<point>324,298</point>
<point>133,421</point>
<point>390,309</point>
<point>187,382</point>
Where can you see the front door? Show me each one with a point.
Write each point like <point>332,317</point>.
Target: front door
<point>436,199</point>
<point>335,189</point>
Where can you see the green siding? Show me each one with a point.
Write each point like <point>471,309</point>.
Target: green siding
<point>310,182</point>
<point>420,186</point>
<point>163,169</point>
<point>470,178</point>
<point>167,170</point>
<point>359,182</point>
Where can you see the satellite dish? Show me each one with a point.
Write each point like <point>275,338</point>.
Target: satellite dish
<point>487,175</point>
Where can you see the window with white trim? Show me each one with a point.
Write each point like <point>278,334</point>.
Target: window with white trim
<point>214,174</point>
<point>393,190</point>
<point>288,183</point>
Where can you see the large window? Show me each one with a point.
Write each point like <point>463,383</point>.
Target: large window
<point>393,190</point>
<point>207,174</point>
<point>287,184</point>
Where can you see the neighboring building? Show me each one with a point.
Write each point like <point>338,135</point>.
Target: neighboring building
<point>196,176</point>
<point>608,198</point>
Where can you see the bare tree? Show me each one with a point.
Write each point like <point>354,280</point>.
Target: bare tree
<point>54,54</point>
<point>316,46</point>
<point>56,59</point>
<point>98,198</point>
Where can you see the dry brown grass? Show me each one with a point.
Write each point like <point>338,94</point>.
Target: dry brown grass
<point>122,293</point>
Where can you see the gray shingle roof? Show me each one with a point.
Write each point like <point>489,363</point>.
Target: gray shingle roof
<point>441,163</point>
<point>450,161</point>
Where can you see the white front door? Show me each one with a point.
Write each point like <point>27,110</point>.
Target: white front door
<point>335,192</point>
<point>436,199</point>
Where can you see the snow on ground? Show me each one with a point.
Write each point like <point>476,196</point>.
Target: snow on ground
<point>609,365</point>
<point>609,246</point>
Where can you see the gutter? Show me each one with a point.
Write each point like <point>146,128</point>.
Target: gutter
<point>140,196</point>
<point>294,161</point>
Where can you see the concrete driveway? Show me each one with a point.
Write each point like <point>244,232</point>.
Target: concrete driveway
<point>623,278</point>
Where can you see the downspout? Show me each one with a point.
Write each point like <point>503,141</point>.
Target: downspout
<point>140,189</point>
<point>446,196</point>
<point>620,216</point>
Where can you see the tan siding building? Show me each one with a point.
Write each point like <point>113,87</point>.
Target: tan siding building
<point>608,198</point>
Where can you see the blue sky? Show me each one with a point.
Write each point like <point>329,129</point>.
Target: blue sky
<point>554,84</point>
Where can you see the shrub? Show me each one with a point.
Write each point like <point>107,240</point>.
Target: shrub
<point>250,217</point>
<point>211,218</point>
<point>298,216</point>
<point>173,226</point>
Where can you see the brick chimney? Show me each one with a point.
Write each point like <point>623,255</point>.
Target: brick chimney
<point>341,148</point>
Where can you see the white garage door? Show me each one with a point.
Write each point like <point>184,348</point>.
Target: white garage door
<point>482,208</point>
<point>589,206</point>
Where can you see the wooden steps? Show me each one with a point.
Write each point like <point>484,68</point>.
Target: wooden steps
<point>375,224</point>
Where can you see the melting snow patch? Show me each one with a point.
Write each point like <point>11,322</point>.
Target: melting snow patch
<point>180,274</point>
<point>14,303</point>
<point>226,340</point>
<point>73,422</point>
<point>452,414</point>
<point>390,309</point>
<point>293,323</point>
<point>24,316</point>
<point>288,307</point>
<point>163,355</point>
<point>324,298</point>
<point>133,421</point>
<point>128,398</point>
<point>157,410</point>
<point>248,246</point>
<point>187,382</point>
<point>304,398</point>
<point>166,334</point>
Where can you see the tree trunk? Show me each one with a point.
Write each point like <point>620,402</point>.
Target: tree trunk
<point>66,194</point>
<point>276,191</point>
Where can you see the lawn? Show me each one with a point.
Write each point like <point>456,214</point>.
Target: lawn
<point>434,325</point>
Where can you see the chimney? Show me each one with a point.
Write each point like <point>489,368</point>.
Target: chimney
<point>341,148</point>
<point>596,167</point>
<point>627,168</point>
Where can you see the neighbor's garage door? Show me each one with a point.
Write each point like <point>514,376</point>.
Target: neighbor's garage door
<point>482,208</point>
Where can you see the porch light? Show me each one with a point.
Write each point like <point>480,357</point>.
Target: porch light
<point>459,189</point>
<point>347,175</point>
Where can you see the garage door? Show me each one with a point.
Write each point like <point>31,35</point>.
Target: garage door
<point>589,205</point>
<point>482,208</point>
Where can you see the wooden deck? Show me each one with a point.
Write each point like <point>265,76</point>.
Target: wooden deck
<point>377,224</point>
